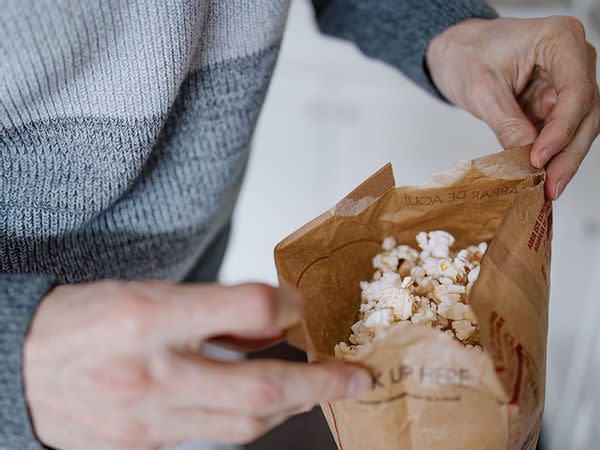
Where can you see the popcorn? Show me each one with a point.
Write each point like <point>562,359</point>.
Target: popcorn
<point>475,348</point>
<point>449,333</point>
<point>428,288</point>
<point>385,262</point>
<point>426,312</point>
<point>389,243</point>
<point>446,310</point>
<point>463,329</point>
<point>406,282</point>
<point>435,243</point>
<point>379,319</point>
<point>472,277</point>
<point>441,322</point>
<point>343,349</point>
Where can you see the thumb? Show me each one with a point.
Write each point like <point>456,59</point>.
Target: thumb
<point>507,120</point>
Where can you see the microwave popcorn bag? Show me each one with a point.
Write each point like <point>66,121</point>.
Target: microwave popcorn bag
<point>429,391</point>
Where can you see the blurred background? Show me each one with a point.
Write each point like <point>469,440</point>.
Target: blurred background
<point>332,117</point>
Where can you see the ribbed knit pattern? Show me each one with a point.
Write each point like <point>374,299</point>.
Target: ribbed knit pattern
<point>397,31</point>
<point>17,309</point>
<point>125,127</point>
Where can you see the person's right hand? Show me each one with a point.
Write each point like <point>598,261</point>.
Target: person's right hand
<point>115,365</point>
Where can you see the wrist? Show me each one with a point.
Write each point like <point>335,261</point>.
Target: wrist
<point>441,56</point>
<point>461,32</point>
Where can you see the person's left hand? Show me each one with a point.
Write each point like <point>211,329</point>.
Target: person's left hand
<point>530,80</point>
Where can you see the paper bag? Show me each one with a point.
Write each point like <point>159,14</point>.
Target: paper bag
<point>430,392</point>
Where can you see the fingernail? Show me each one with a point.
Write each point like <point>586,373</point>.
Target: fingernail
<point>360,382</point>
<point>291,299</point>
<point>542,158</point>
<point>560,186</point>
<point>292,295</point>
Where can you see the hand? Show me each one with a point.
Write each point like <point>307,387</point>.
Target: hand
<point>531,81</point>
<point>116,365</point>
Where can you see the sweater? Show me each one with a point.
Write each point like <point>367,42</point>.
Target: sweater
<point>125,127</point>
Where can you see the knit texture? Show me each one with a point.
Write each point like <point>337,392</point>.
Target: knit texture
<point>125,128</point>
<point>397,31</point>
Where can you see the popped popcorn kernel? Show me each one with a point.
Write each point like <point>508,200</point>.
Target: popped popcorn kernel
<point>463,329</point>
<point>430,288</point>
<point>389,243</point>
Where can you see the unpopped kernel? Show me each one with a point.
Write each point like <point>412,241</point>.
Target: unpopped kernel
<point>429,288</point>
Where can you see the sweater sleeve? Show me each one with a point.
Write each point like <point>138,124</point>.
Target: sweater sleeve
<point>19,298</point>
<point>397,32</point>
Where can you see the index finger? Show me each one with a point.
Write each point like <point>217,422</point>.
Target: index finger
<point>572,106</point>
<point>186,313</point>
<point>572,74</point>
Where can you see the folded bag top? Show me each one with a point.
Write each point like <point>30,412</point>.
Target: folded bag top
<point>430,392</point>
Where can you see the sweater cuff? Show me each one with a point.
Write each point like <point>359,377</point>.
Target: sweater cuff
<point>398,33</point>
<point>19,298</point>
<point>448,14</point>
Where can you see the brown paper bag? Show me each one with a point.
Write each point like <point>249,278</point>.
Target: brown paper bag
<point>430,392</point>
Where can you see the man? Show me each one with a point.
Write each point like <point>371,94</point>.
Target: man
<point>125,132</point>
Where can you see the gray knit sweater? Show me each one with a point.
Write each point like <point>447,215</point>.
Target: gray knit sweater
<point>124,134</point>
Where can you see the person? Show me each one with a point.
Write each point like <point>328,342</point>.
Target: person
<point>126,126</point>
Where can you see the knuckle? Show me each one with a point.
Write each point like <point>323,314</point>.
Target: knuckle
<point>592,52</point>
<point>130,312</point>
<point>565,27</point>
<point>260,303</point>
<point>262,393</point>
<point>551,27</point>
<point>249,429</point>
<point>575,26</point>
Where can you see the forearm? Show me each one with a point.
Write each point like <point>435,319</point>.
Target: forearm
<point>397,31</point>
<point>19,297</point>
